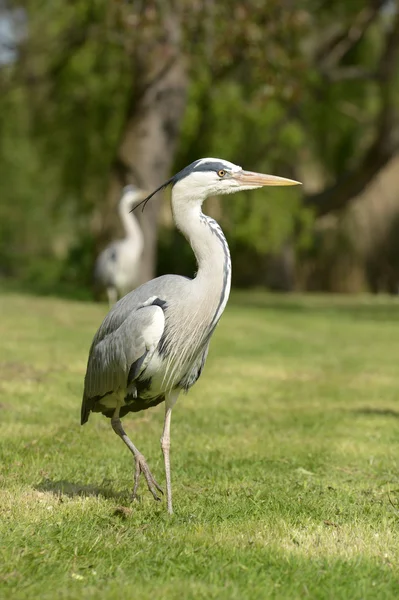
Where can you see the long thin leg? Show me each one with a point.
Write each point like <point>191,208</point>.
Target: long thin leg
<point>140,462</point>
<point>165,445</point>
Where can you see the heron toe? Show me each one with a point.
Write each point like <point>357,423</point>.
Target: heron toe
<point>142,467</point>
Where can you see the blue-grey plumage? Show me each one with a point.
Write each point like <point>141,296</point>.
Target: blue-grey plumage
<point>117,267</point>
<point>137,327</point>
<point>154,342</point>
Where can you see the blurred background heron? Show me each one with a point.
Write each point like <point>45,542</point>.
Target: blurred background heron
<point>117,269</point>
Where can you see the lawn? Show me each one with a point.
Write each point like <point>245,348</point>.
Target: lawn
<point>284,460</point>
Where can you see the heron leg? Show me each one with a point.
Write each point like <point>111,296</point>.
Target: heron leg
<point>165,445</point>
<point>140,462</point>
<point>112,295</point>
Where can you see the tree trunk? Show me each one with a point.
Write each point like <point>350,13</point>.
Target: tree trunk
<point>147,146</point>
<point>386,141</point>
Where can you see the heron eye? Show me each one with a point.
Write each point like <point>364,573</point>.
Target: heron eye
<point>221,173</point>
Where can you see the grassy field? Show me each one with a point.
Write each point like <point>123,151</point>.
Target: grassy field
<point>284,460</point>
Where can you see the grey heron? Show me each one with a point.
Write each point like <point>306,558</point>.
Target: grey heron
<point>117,267</point>
<point>154,342</point>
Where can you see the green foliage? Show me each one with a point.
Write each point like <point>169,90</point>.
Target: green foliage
<point>239,128</point>
<point>264,92</point>
<point>261,221</point>
<point>284,460</point>
<point>60,125</point>
<point>85,86</point>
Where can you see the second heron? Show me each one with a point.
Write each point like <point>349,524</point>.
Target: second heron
<point>117,268</point>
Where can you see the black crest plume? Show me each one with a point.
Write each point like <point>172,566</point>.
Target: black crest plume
<point>161,187</point>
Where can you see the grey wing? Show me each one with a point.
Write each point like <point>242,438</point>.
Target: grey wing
<point>121,351</point>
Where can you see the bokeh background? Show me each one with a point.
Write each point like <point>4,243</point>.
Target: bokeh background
<point>95,94</point>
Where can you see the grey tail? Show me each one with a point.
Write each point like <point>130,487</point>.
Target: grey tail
<point>85,411</point>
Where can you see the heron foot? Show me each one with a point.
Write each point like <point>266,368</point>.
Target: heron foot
<point>142,467</point>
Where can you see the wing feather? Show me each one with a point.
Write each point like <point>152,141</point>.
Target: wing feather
<point>118,344</point>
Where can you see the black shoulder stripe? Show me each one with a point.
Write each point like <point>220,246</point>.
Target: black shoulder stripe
<point>135,369</point>
<point>159,302</point>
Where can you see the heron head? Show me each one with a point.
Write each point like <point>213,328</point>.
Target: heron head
<point>211,176</point>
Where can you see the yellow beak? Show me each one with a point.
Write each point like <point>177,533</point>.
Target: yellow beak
<point>259,179</point>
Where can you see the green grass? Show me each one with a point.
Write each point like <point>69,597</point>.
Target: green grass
<point>284,460</point>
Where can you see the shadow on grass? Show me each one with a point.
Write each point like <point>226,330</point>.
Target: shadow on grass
<point>378,412</point>
<point>73,489</point>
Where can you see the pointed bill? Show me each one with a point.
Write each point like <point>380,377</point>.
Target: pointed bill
<point>248,178</point>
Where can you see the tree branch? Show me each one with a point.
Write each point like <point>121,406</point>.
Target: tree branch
<point>386,141</point>
<point>334,50</point>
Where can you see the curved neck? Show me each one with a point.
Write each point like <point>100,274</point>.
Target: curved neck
<point>130,223</point>
<point>211,251</point>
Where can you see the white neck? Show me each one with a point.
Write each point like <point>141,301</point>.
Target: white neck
<point>210,247</point>
<point>130,223</point>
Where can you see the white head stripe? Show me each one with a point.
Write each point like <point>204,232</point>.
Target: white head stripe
<point>229,165</point>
